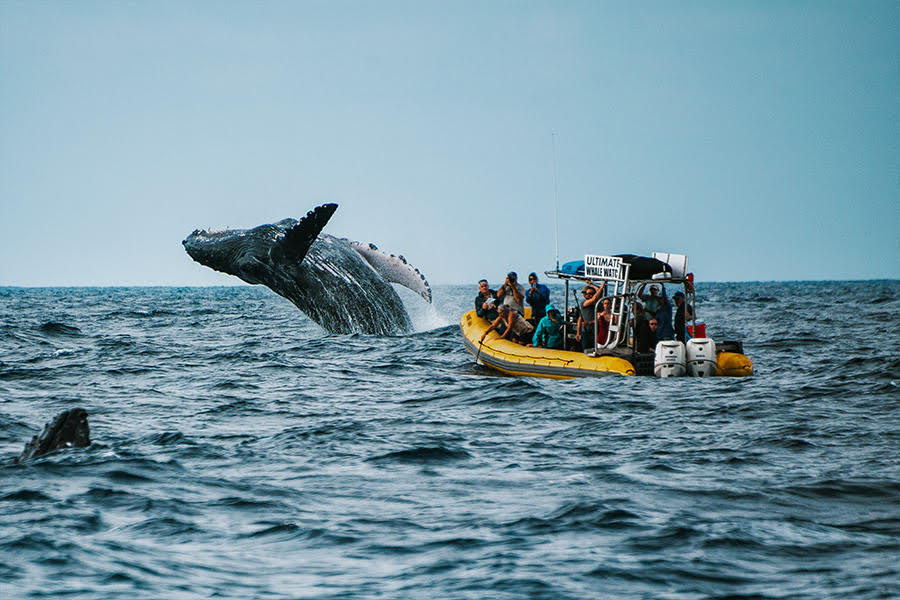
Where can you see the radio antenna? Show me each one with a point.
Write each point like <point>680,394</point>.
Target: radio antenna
<point>555,202</point>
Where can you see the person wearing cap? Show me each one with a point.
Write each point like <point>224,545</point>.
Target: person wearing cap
<point>512,294</point>
<point>651,302</point>
<point>584,331</point>
<point>538,297</point>
<point>683,311</point>
<point>549,331</point>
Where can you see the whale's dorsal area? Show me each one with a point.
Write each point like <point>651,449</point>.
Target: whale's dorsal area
<point>342,286</point>
<point>68,429</point>
<point>300,235</point>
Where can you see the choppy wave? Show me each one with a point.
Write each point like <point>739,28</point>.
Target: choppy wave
<point>239,451</point>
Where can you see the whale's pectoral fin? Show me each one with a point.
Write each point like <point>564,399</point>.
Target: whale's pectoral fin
<point>297,240</point>
<point>394,269</point>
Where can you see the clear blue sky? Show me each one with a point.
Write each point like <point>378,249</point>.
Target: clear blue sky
<point>761,138</point>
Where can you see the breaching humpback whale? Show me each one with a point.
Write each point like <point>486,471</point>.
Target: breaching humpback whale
<point>68,429</point>
<point>341,285</point>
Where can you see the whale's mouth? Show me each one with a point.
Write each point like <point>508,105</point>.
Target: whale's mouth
<point>200,247</point>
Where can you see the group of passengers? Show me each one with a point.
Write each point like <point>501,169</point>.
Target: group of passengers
<point>653,320</point>
<point>505,310</point>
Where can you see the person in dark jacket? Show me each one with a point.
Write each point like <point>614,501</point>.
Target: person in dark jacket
<point>644,333</point>
<point>681,313</point>
<point>486,302</point>
<point>538,297</point>
<point>664,330</point>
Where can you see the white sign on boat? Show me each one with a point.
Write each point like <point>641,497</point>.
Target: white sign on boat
<point>602,267</point>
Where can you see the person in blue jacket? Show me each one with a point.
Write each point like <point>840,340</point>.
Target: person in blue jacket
<point>548,333</point>
<point>664,329</point>
<point>538,297</point>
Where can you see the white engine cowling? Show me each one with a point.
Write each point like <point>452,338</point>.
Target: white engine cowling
<point>669,361</point>
<point>701,357</point>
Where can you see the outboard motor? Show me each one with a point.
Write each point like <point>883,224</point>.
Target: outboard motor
<point>701,357</point>
<point>669,360</point>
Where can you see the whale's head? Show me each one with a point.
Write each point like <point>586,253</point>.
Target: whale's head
<point>234,251</point>
<point>209,247</point>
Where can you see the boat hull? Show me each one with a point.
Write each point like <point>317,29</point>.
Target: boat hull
<point>513,359</point>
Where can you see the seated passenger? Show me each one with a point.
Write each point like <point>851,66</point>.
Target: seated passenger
<point>644,331</point>
<point>654,325</point>
<point>549,331</point>
<point>604,316</point>
<point>511,293</point>
<point>517,329</point>
<point>584,330</point>
<point>538,297</point>
<point>486,302</point>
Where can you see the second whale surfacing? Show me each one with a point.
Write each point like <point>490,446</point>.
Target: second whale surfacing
<point>343,286</point>
<point>68,429</point>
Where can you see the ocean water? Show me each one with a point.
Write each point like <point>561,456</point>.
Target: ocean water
<point>241,452</point>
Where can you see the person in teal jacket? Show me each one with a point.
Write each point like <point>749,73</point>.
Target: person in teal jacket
<point>548,333</point>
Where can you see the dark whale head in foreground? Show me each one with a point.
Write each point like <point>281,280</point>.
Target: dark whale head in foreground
<point>341,285</point>
<point>68,429</point>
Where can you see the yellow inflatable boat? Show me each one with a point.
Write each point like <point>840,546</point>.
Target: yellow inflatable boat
<point>625,279</point>
<point>513,359</point>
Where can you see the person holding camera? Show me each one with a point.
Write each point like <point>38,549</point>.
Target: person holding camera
<point>512,294</point>
<point>538,297</point>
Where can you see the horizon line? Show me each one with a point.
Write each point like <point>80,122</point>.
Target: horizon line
<point>241,285</point>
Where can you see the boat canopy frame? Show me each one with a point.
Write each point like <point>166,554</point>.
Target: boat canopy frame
<point>623,299</point>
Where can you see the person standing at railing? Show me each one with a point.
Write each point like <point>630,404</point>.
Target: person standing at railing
<point>585,331</point>
<point>681,313</point>
<point>651,302</point>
